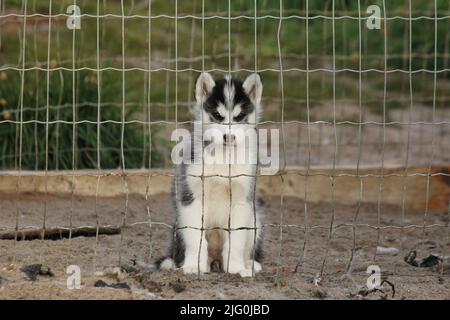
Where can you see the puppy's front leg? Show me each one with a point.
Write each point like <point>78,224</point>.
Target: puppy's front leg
<point>234,249</point>
<point>190,222</point>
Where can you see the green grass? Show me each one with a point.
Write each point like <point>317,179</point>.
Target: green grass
<point>58,136</point>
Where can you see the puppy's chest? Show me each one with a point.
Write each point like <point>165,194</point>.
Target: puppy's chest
<point>224,187</point>
<point>217,190</point>
<point>216,202</point>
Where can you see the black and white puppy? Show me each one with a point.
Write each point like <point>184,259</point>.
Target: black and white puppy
<point>223,202</point>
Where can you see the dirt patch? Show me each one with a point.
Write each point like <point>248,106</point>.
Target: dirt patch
<point>285,251</point>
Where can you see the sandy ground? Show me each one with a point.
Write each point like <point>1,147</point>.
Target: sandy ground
<point>138,245</point>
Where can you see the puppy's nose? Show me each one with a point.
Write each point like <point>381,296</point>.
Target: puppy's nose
<point>229,138</point>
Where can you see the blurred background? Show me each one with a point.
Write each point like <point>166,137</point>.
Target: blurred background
<point>355,116</point>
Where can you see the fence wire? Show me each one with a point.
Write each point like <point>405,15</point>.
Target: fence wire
<point>75,122</point>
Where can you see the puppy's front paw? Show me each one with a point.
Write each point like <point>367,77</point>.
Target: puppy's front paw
<point>193,269</point>
<point>241,270</point>
<point>246,273</point>
<point>250,264</point>
<point>189,269</point>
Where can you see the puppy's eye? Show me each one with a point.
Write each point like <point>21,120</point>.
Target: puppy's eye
<point>240,116</point>
<point>217,116</point>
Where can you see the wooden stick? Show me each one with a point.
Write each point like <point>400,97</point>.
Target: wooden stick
<point>59,233</point>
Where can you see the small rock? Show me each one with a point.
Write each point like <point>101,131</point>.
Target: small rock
<point>220,296</point>
<point>387,251</point>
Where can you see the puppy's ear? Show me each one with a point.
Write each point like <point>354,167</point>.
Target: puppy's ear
<point>203,87</point>
<point>253,88</point>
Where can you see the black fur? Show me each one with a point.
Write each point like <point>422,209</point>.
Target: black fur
<point>258,254</point>
<point>176,252</point>
<point>187,197</point>
<point>217,96</point>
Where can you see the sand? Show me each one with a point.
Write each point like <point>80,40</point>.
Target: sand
<point>138,245</point>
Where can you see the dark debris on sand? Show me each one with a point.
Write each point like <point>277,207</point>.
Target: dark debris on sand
<point>33,270</point>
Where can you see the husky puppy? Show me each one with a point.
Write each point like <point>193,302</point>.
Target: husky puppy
<point>218,227</point>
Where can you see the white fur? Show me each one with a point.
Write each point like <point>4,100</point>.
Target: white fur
<point>167,264</point>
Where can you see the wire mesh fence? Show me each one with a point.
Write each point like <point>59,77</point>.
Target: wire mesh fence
<point>90,92</point>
